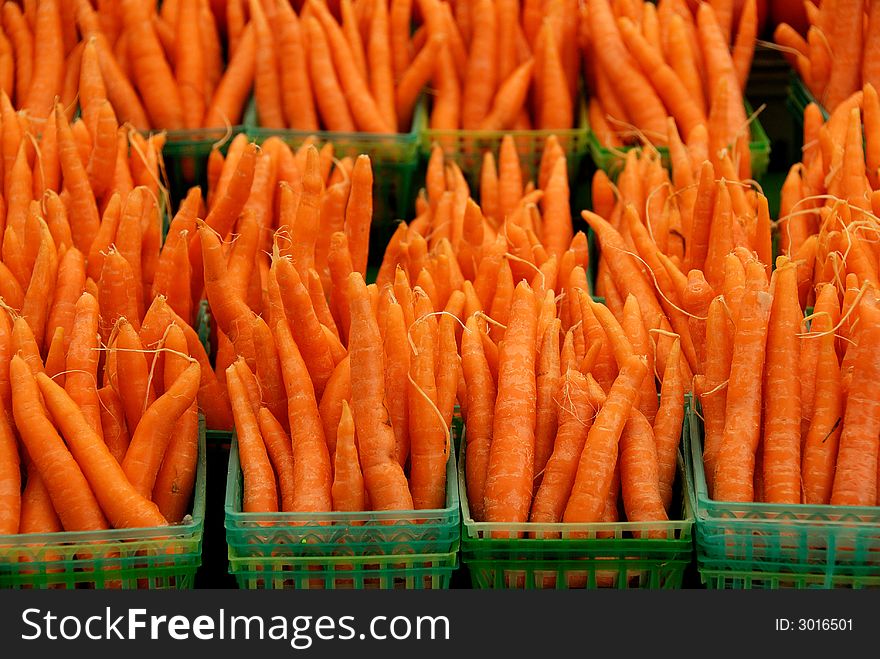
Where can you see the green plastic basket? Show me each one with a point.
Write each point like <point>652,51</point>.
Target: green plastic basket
<point>568,556</point>
<point>267,542</point>
<point>394,157</point>
<point>466,147</point>
<point>718,576</point>
<point>185,155</point>
<point>810,544</point>
<point>798,98</point>
<point>612,159</point>
<point>153,558</point>
<point>359,572</point>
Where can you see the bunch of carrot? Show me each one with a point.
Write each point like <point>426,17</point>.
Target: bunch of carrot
<point>839,53</point>
<point>791,416</point>
<point>342,393</point>
<point>519,231</point>
<point>647,62</point>
<point>561,430</point>
<point>346,72</point>
<point>498,65</point>
<point>669,241</point>
<point>106,436</point>
<point>831,200</point>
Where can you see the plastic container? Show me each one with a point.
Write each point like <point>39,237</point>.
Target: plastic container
<point>798,98</point>
<point>284,544</point>
<point>394,157</point>
<point>185,155</point>
<point>466,148</point>
<point>154,558</point>
<point>809,544</point>
<point>612,159</point>
<point>568,556</point>
<point>359,572</point>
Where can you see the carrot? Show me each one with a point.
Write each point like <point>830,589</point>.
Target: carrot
<point>379,56</point>
<point>304,323</point>
<point>20,34</point>
<point>359,212</point>
<point>846,65</point>
<point>595,469</point>
<point>509,98</point>
<point>821,439</point>
<point>576,418</point>
<point>227,307</point>
<point>153,430</point>
<point>445,113</point>
<point>384,478</point>
<point>83,209</point>
<point>480,81</point>
<point>35,306</point>
<point>260,494</point>
<point>744,45</point>
<point>280,452</point>
<point>348,481</point>
<point>82,360</point>
<point>399,14</point>
<point>414,78</point>
<point>267,87</point>
<point>719,66</point>
<point>667,425</point>
<point>113,423</point>
<point>37,512</point>
<point>509,478</point>
<point>190,66</point>
<point>480,412</point>
<point>640,472</point>
<point>782,410</point>
<point>118,293</point>
<point>330,406</point>
<point>225,107</point>
<point>855,475</point>
<point>124,505</point>
<point>176,477</point>
<point>296,92</point>
<point>735,466</point>
<point>134,370</point>
<point>333,108</point>
<point>311,459</point>
<point>62,476</point>
<point>10,477</point>
<point>48,69</point>
<point>427,430</point>
<point>397,369</point>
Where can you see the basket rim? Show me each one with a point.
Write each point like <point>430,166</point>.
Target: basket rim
<point>791,515</point>
<point>234,516</point>
<point>190,530</point>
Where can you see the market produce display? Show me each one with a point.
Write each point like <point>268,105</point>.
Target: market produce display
<point>616,378</point>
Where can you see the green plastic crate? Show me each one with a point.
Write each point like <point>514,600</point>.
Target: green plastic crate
<point>612,159</point>
<point>185,157</point>
<point>811,544</point>
<point>719,577</point>
<point>359,572</point>
<point>568,556</point>
<point>466,148</point>
<point>284,542</point>
<point>799,97</point>
<point>394,157</point>
<point>153,558</point>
